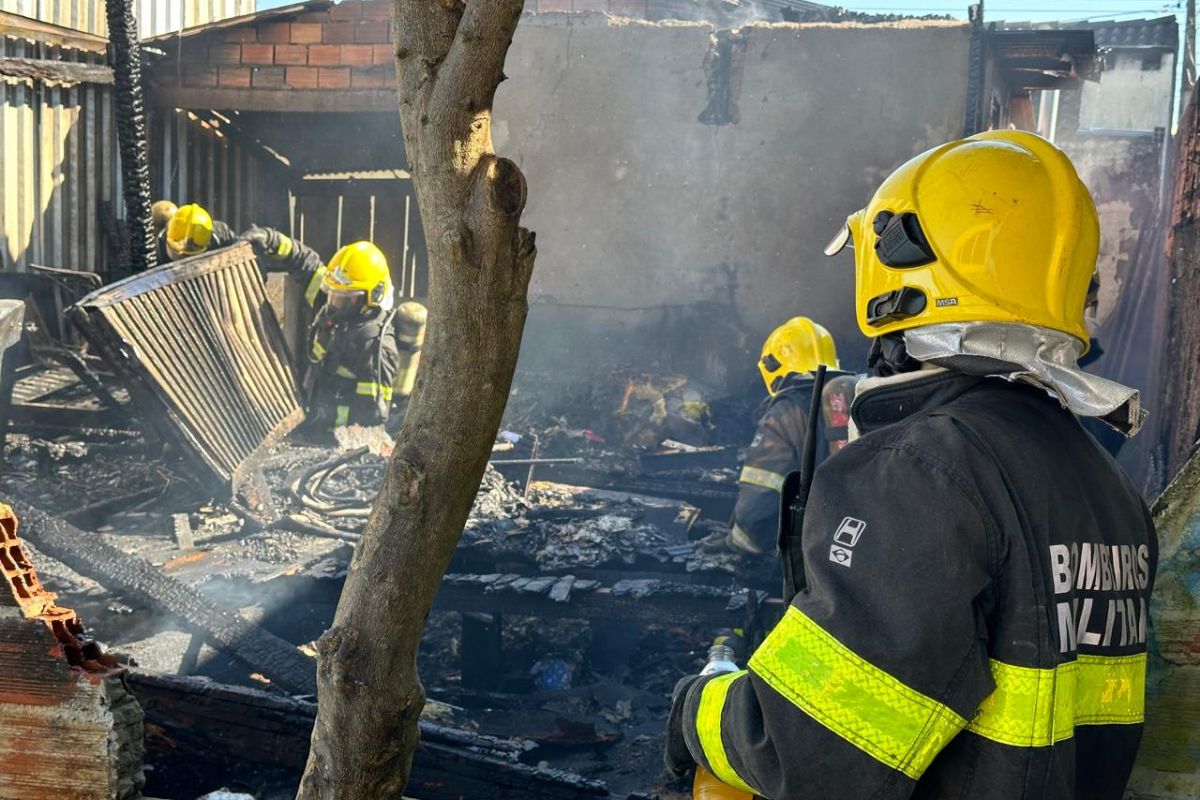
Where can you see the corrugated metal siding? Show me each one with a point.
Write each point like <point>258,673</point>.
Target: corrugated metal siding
<point>154,16</point>
<point>194,160</point>
<point>57,162</point>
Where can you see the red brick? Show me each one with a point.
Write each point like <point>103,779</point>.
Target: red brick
<point>275,32</point>
<point>338,32</point>
<point>377,10</point>
<point>302,77</point>
<point>291,54</point>
<point>545,6</point>
<point>240,34</point>
<point>383,54</point>
<point>334,77</point>
<point>372,32</point>
<point>590,5</point>
<point>629,8</point>
<point>235,77</point>
<point>313,16</point>
<point>373,78</point>
<point>358,55</point>
<point>306,33</point>
<point>268,77</point>
<point>225,54</point>
<point>324,55</point>
<point>351,9</point>
<point>200,75</point>
<point>258,54</point>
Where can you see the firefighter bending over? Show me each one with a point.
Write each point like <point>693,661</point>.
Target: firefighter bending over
<point>977,570</point>
<point>790,355</point>
<point>191,231</point>
<point>352,341</point>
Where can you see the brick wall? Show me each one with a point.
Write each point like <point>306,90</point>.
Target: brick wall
<point>346,47</point>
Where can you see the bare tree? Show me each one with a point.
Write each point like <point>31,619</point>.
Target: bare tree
<point>449,60</point>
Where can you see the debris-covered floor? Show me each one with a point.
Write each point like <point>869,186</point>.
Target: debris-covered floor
<point>591,576</point>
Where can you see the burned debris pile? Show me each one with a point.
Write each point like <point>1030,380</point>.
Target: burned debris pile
<point>591,575</point>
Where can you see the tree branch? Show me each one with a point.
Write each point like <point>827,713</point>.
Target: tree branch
<point>474,64</point>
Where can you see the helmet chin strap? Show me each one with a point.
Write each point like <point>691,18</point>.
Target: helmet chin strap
<point>889,356</point>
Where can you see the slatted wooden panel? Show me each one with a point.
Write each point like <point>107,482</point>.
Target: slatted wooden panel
<point>154,16</point>
<point>199,343</point>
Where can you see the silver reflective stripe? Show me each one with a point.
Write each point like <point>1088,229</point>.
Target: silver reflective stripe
<point>742,541</point>
<point>762,477</point>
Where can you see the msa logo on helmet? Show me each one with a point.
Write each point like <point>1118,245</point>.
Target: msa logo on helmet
<point>844,539</point>
<point>943,302</point>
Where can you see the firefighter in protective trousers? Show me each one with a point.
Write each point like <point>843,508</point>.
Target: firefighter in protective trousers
<point>789,356</point>
<point>977,570</point>
<point>352,341</point>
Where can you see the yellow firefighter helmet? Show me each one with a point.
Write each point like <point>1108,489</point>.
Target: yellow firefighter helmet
<point>357,279</point>
<point>994,228</point>
<point>798,345</point>
<point>189,232</point>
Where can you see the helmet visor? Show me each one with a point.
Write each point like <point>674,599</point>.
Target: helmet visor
<point>345,305</point>
<point>844,237</point>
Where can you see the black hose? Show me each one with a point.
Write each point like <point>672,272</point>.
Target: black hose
<point>131,133</point>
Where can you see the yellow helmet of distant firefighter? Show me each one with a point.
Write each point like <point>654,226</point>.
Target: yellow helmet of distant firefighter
<point>161,213</point>
<point>358,280</point>
<point>798,345</point>
<point>189,231</point>
<point>993,228</point>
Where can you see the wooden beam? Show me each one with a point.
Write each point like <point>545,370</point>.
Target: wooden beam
<point>232,726</point>
<point>65,73</point>
<point>291,100</point>
<point>19,27</point>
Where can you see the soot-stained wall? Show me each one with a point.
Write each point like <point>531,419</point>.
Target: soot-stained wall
<point>683,183</point>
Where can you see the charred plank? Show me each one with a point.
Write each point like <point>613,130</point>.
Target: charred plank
<point>225,629</point>
<point>230,724</point>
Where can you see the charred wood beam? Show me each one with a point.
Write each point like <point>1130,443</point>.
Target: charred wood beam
<point>89,555</point>
<point>652,602</point>
<point>65,73</point>
<point>234,725</point>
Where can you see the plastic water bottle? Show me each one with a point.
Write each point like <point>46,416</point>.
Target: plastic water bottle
<point>707,786</point>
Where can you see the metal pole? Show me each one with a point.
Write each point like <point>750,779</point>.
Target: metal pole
<point>407,213</point>
<point>341,199</point>
<point>1189,58</point>
<point>412,277</point>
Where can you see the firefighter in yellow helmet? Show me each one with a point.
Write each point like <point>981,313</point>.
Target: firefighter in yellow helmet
<point>790,355</point>
<point>352,341</point>
<point>971,612</point>
<point>191,231</point>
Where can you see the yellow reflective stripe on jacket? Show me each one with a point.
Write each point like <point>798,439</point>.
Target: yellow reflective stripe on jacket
<point>888,720</point>
<point>343,372</point>
<point>367,389</point>
<point>387,392</point>
<point>314,286</point>
<point>1034,707</point>
<point>708,727</point>
<point>762,477</point>
<point>343,417</point>
<point>285,247</point>
<point>318,352</point>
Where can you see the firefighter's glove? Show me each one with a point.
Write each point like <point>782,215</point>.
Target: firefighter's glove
<point>677,757</point>
<point>259,239</point>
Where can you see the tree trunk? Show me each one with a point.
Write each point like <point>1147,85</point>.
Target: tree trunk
<point>449,59</point>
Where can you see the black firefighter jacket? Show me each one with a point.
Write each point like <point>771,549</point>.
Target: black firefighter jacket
<point>355,364</point>
<point>774,453</point>
<point>974,622</point>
